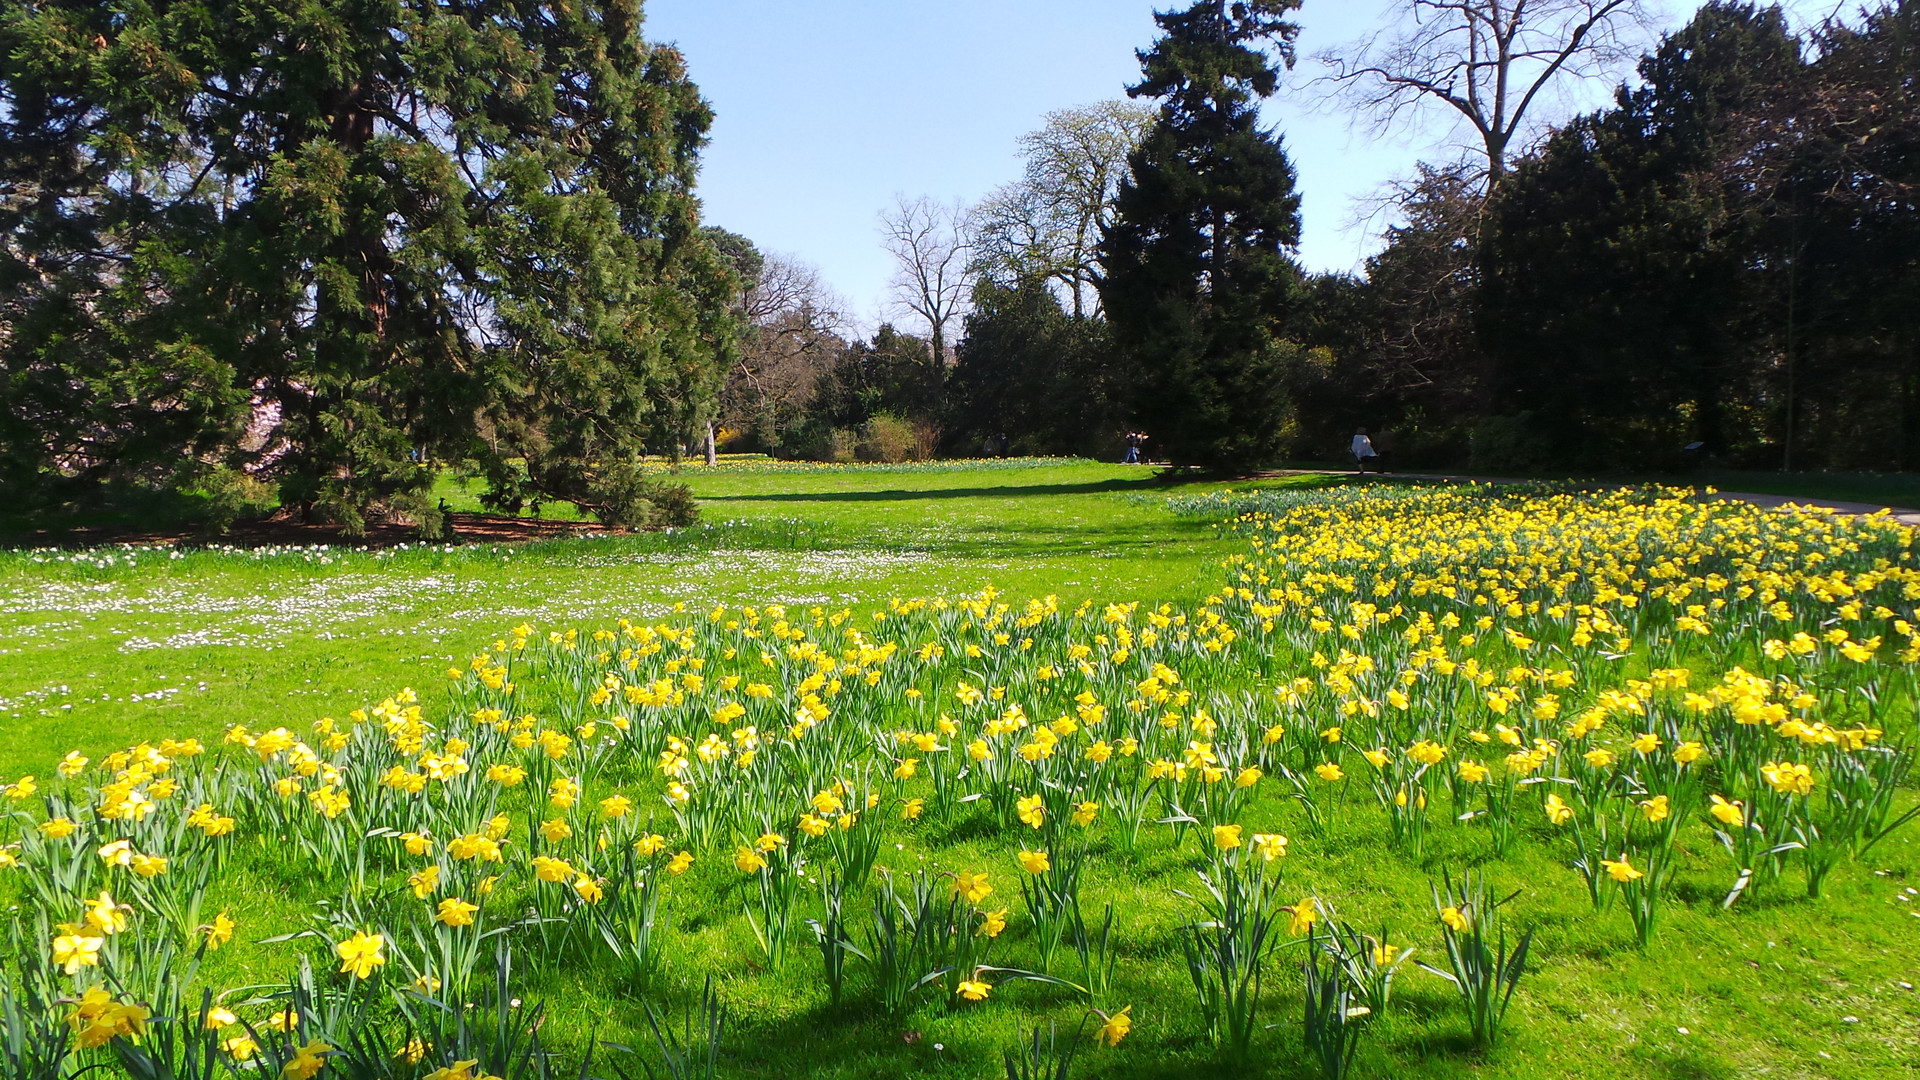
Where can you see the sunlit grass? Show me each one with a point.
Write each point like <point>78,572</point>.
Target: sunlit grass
<point>107,650</point>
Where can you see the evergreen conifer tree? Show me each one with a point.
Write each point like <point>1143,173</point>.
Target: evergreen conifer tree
<point>1197,273</point>
<point>335,242</point>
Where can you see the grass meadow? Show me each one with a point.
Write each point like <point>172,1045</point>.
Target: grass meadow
<point>104,649</point>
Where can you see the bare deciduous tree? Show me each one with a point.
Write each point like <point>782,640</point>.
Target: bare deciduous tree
<point>930,244</point>
<point>1487,60</point>
<point>1017,238</point>
<point>1048,224</point>
<point>795,327</point>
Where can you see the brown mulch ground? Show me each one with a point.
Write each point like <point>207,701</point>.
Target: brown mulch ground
<point>467,529</point>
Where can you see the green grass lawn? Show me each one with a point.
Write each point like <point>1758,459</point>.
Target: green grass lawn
<point>115,646</point>
<point>102,650</point>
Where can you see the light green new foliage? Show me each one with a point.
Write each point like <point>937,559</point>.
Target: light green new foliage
<point>107,649</point>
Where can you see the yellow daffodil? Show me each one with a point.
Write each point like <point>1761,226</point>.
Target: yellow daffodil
<point>1302,916</point>
<point>1621,870</point>
<point>1115,1027</point>
<point>361,954</point>
<point>306,1062</point>
<point>456,912</point>
<point>972,886</point>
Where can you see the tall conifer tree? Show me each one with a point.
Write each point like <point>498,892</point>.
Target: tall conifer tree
<point>1198,276</point>
<point>331,242</point>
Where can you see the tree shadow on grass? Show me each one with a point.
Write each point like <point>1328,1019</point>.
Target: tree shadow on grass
<point>903,495</point>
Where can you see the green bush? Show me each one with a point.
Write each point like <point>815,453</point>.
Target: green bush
<point>1508,444</point>
<point>629,495</point>
<point>887,438</point>
<point>231,495</point>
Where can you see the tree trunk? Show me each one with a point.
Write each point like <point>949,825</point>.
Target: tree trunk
<point>711,454</point>
<point>939,365</point>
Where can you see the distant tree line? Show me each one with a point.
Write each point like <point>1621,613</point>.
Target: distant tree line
<point>1727,259</point>
<point>1729,256</point>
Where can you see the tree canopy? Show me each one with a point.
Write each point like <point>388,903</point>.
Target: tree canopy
<point>330,244</point>
<point>1198,276</point>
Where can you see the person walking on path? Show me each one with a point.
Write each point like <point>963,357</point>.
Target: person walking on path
<point>1363,452</point>
<point>1134,439</point>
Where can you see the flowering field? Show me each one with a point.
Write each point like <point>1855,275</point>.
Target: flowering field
<point>1420,780</point>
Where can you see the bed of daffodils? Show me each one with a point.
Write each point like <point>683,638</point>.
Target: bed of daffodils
<point>1602,673</point>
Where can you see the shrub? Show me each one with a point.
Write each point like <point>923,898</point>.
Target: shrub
<point>232,495</point>
<point>887,438</point>
<point>1507,444</point>
<point>629,495</point>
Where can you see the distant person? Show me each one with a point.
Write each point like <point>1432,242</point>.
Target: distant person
<point>1363,452</point>
<point>1134,441</point>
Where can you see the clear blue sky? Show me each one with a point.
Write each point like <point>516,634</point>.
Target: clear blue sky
<point>826,108</point>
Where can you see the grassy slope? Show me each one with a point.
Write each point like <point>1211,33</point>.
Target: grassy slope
<point>1764,991</point>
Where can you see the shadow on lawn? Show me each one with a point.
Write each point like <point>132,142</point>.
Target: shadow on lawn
<point>901,495</point>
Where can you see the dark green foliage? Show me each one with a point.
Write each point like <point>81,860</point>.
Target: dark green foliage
<point>1198,280</point>
<point>1845,220</point>
<point>873,391</point>
<point>1404,358</point>
<point>1620,265</point>
<point>1032,372</point>
<point>332,244</point>
<point>1729,256</point>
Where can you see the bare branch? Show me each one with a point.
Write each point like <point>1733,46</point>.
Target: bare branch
<point>1487,61</point>
<point>930,244</point>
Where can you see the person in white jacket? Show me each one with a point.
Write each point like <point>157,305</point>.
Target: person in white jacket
<point>1363,452</point>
